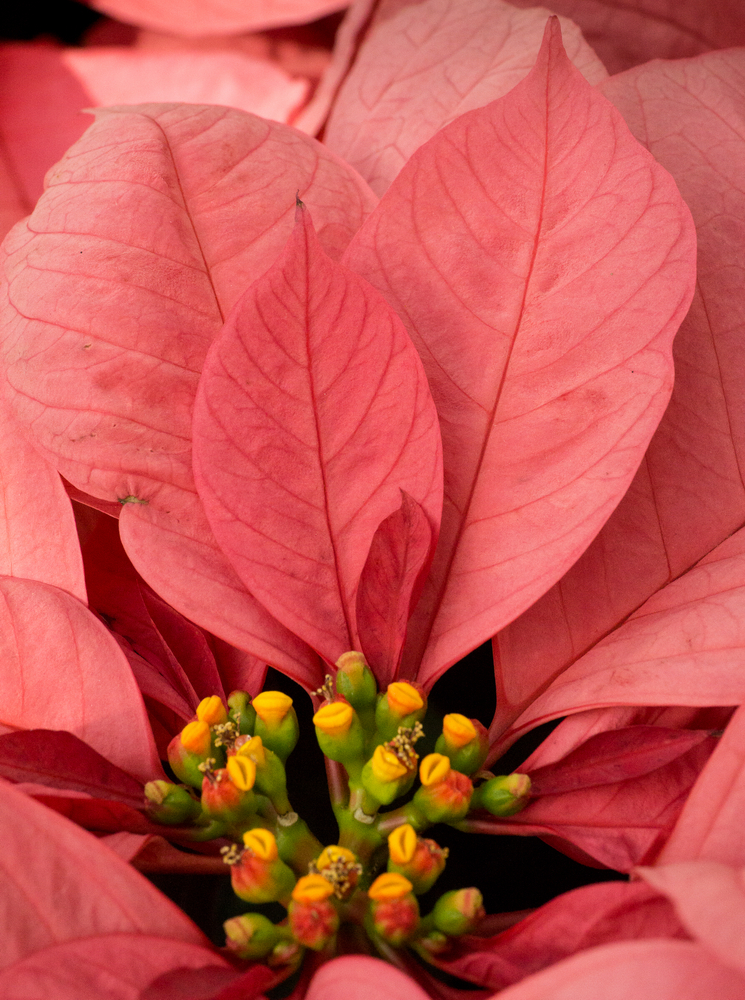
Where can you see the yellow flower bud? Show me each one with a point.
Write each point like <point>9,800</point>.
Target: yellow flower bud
<point>403,698</point>
<point>402,844</point>
<point>261,843</point>
<point>434,768</point>
<point>334,853</point>
<point>389,885</point>
<point>195,737</point>
<point>312,889</point>
<point>334,718</point>
<point>212,711</point>
<point>458,730</point>
<point>254,750</point>
<point>242,772</point>
<point>386,766</point>
<point>272,706</point>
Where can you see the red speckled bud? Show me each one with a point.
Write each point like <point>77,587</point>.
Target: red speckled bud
<point>314,920</point>
<point>394,920</point>
<point>445,795</point>
<point>420,860</point>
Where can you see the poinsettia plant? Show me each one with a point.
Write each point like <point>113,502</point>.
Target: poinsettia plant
<point>354,439</point>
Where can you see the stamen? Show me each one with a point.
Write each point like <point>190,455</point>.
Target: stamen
<point>225,734</point>
<point>339,871</point>
<point>231,855</point>
<point>326,690</point>
<point>402,745</point>
<point>207,767</point>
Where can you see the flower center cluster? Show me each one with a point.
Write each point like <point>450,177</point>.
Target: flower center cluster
<point>230,761</point>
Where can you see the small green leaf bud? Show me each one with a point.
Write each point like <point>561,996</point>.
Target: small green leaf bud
<point>242,712</point>
<point>504,795</point>
<point>251,936</point>
<point>458,912</point>
<point>170,804</point>
<point>355,681</point>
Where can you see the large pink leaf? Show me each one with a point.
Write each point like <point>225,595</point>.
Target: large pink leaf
<point>63,670</point>
<point>635,31</point>
<point>13,204</point>
<point>542,262</point>
<point>356,977</point>
<point>644,970</point>
<point>106,966</point>
<point>38,540</point>
<point>391,582</point>
<point>688,495</point>
<point>313,413</point>
<point>578,920</point>
<point>710,900</point>
<point>710,825</point>
<point>149,231</point>
<point>59,883</point>
<point>215,17</point>
<point>678,649</point>
<point>421,65</point>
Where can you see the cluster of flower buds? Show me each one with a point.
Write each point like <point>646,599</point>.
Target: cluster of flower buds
<point>231,759</point>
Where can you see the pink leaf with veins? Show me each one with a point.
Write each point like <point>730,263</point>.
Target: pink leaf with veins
<point>709,898</point>
<point>421,65</point>
<point>46,860</point>
<point>105,966</point>
<point>138,258</point>
<point>710,825</point>
<point>644,970</point>
<point>688,495</point>
<point>313,413</point>
<point>542,262</point>
<point>578,920</point>
<point>391,582</point>
<point>635,31</point>
<point>357,977</point>
<point>215,17</point>
<point>677,649</point>
<point>63,670</point>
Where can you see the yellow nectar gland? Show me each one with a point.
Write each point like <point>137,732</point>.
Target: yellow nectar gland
<point>458,730</point>
<point>312,889</point>
<point>212,711</point>
<point>389,885</point>
<point>434,768</point>
<point>386,766</point>
<point>195,737</point>
<point>253,748</point>
<point>334,719</point>
<point>402,844</point>
<point>272,706</point>
<point>333,853</point>
<point>261,843</point>
<point>403,698</point>
<point>242,772</point>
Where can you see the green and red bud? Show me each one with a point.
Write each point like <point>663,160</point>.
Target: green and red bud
<point>271,779</point>
<point>458,912</point>
<point>339,732</point>
<point>276,722</point>
<point>419,860</point>
<point>465,742</point>
<point>193,746</point>
<point>260,876</point>
<point>356,682</point>
<point>445,794</point>
<point>385,776</point>
<point>314,919</point>
<point>227,794</point>
<point>393,912</point>
<point>171,804</point>
<point>504,795</point>
<point>252,935</point>
<point>402,705</point>
<point>242,712</point>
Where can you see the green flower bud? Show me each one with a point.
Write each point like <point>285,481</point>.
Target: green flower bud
<point>276,722</point>
<point>458,912</point>
<point>355,681</point>
<point>193,746</point>
<point>504,795</point>
<point>242,712</point>
<point>251,936</point>
<point>403,704</point>
<point>171,804</point>
<point>465,742</point>
<point>339,732</point>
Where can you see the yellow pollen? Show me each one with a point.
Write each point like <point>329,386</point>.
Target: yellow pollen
<point>403,698</point>
<point>434,768</point>
<point>458,730</point>
<point>334,719</point>
<point>261,843</point>
<point>386,766</point>
<point>312,889</point>
<point>212,711</point>
<point>242,772</point>
<point>402,844</point>
<point>272,706</point>
<point>389,885</point>
<point>334,853</point>
<point>254,750</point>
<point>195,737</point>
